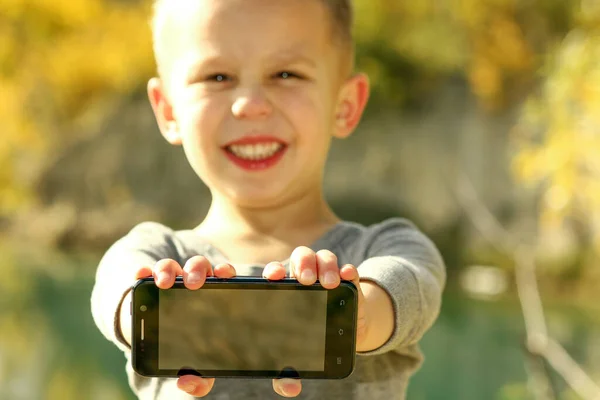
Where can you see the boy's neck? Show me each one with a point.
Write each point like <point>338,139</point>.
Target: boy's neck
<point>287,220</point>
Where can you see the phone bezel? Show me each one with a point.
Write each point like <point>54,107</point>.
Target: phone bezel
<point>339,317</point>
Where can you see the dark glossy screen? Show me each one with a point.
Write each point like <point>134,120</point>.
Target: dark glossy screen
<point>232,329</point>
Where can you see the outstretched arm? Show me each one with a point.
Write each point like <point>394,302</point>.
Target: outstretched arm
<point>403,263</point>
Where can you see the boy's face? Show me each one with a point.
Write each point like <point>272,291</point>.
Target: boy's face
<point>266,70</point>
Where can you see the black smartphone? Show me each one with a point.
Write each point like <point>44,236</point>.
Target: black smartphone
<point>244,327</point>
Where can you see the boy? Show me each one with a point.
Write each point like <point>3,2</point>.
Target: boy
<point>254,90</point>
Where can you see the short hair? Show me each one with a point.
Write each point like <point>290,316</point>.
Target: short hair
<point>341,16</point>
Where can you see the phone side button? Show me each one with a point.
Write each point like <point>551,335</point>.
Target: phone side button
<point>130,308</point>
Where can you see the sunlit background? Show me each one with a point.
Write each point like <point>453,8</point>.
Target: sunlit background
<point>484,129</point>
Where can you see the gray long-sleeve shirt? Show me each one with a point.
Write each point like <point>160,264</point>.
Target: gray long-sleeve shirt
<point>393,254</point>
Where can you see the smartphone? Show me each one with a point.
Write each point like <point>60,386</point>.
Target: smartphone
<point>244,327</point>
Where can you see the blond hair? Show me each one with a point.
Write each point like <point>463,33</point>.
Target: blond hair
<point>340,11</point>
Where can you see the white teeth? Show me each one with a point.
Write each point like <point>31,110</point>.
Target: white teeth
<point>255,151</point>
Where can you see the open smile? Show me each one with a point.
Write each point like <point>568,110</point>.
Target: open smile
<point>256,153</point>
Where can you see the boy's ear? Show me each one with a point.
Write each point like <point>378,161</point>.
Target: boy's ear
<point>351,105</point>
<point>163,111</point>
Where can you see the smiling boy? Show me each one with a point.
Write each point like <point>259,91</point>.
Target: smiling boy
<point>254,91</point>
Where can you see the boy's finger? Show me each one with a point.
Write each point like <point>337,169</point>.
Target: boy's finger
<point>195,271</point>
<point>224,271</point>
<point>143,272</point>
<point>329,272</point>
<point>349,273</point>
<point>195,385</point>
<point>165,272</point>
<point>287,387</point>
<point>303,263</point>
<point>274,271</point>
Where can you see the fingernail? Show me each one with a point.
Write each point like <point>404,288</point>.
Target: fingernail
<point>329,278</point>
<point>267,271</point>
<point>189,387</point>
<point>289,389</point>
<point>194,277</point>
<point>163,276</point>
<point>307,276</point>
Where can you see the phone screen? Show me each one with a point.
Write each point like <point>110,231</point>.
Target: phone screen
<point>244,327</point>
<point>232,329</point>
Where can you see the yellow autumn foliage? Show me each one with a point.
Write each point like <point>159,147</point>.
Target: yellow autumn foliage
<point>484,40</point>
<point>61,61</point>
<point>557,142</point>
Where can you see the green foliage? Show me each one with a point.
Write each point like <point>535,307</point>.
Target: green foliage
<point>515,391</point>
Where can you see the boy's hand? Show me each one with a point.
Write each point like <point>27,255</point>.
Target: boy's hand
<point>308,266</point>
<point>194,275</point>
<point>194,272</point>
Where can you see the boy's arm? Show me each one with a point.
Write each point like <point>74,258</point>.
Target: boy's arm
<point>146,244</point>
<point>402,278</point>
<point>380,310</point>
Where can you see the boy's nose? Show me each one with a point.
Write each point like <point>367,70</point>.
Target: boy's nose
<point>250,105</point>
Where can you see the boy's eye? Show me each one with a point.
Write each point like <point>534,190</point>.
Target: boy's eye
<point>287,75</point>
<point>218,78</point>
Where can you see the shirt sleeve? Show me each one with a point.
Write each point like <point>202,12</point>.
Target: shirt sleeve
<point>408,266</point>
<point>144,245</point>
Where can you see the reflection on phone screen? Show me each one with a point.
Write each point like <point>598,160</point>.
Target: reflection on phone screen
<point>231,329</point>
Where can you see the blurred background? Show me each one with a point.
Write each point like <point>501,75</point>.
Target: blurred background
<point>484,129</point>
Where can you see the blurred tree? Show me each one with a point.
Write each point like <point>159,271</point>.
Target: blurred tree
<point>62,65</point>
<point>494,45</point>
<point>557,142</point>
